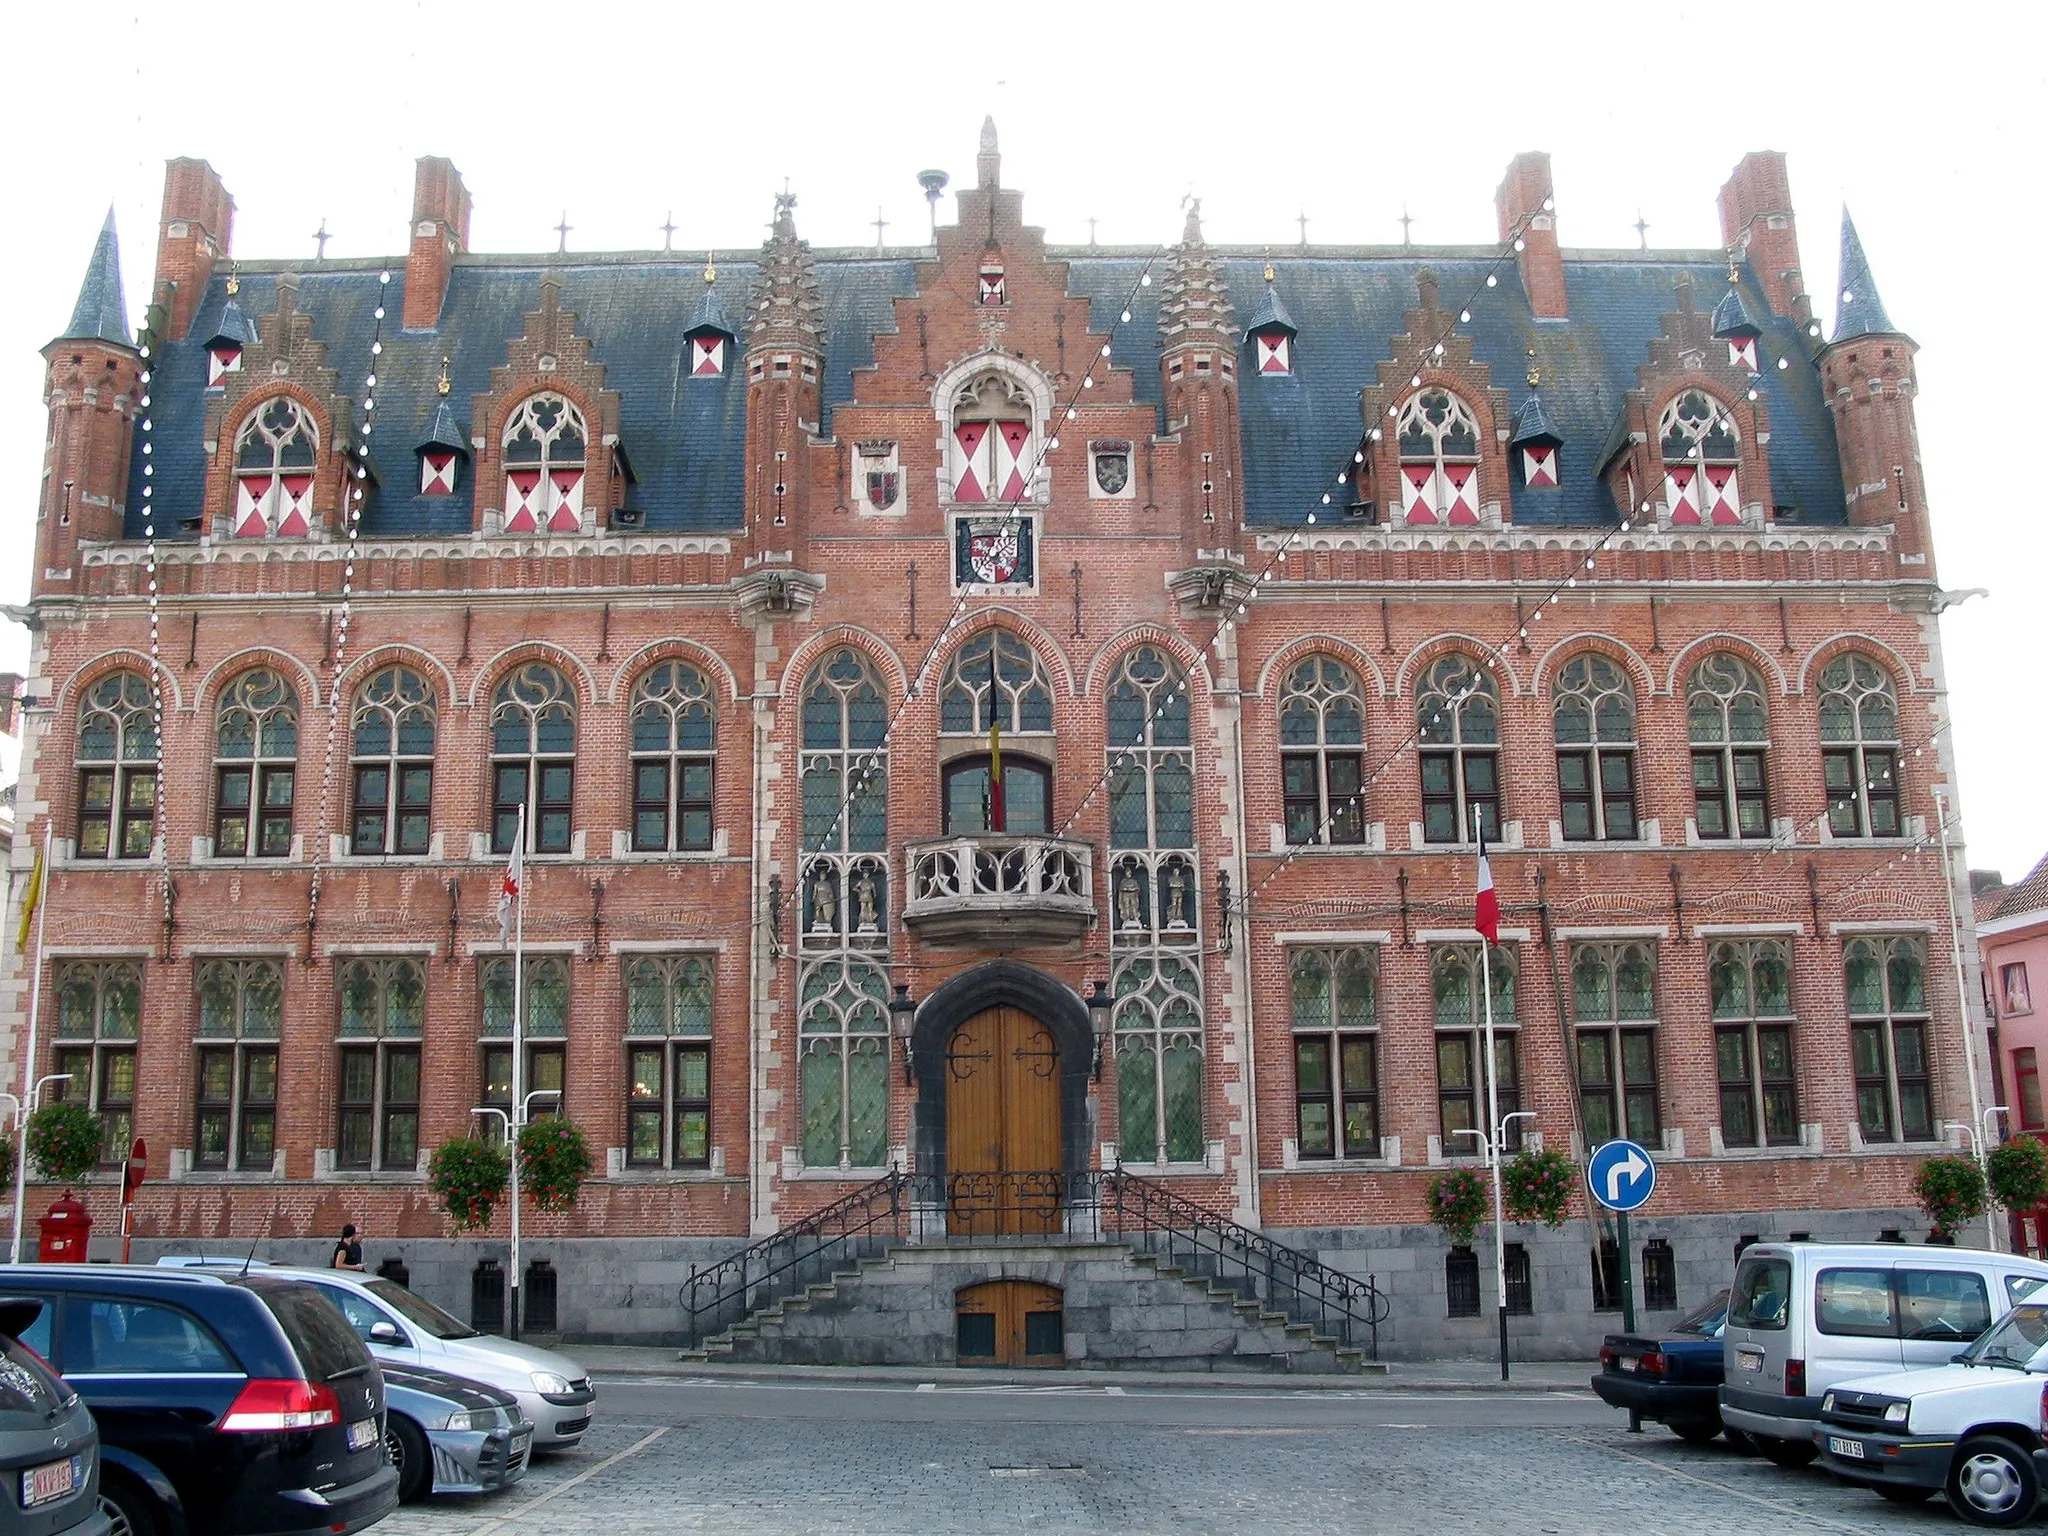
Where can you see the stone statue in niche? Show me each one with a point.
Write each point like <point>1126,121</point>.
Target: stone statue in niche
<point>824,903</point>
<point>1176,896</point>
<point>864,900</point>
<point>1127,913</point>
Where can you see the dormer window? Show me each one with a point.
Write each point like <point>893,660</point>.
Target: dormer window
<point>545,444</point>
<point>1439,444</point>
<point>992,450</point>
<point>1273,352</point>
<point>1271,332</point>
<point>274,456</point>
<point>707,356</point>
<point>1536,444</point>
<point>224,347</point>
<point>222,359</point>
<point>1702,450</point>
<point>441,453</point>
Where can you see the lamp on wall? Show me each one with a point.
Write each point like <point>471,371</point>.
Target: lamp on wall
<point>902,1010</point>
<point>1099,1004</point>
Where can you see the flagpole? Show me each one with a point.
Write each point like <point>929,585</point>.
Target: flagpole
<point>1496,1133</point>
<point>518,1115</point>
<point>28,1065</point>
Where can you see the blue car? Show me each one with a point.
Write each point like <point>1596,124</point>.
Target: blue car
<point>1672,1377</point>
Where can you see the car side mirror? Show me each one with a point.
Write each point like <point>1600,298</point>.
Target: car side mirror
<point>386,1333</point>
<point>1960,1357</point>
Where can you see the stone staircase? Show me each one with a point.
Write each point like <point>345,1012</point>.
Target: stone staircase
<point>1122,1308</point>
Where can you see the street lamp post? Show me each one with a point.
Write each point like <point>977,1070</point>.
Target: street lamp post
<point>21,1113</point>
<point>522,1112</point>
<point>1492,1146</point>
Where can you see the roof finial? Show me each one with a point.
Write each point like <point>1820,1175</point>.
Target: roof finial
<point>1191,233</point>
<point>988,164</point>
<point>234,279</point>
<point>441,384</point>
<point>710,268</point>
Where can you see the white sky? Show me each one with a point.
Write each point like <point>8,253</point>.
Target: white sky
<point>1932,131</point>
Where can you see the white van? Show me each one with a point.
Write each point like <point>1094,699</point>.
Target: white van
<point>1804,1316</point>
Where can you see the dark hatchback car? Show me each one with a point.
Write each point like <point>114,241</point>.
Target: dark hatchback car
<point>228,1405</point>
<point>1672,1377</point>
<point>49,1448</point>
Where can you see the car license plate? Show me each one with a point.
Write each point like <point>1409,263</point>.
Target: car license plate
<point>1624,1362</point>
<point>52,1480</point>
<point>1749,1359</point>
<point>519,1445</point>
<point>1853,1449</point>
<point>362,1434</point>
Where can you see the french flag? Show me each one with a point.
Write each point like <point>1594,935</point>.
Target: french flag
<point>1486,906</point>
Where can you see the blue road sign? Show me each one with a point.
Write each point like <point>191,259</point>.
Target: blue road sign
<point>1621,1175</point>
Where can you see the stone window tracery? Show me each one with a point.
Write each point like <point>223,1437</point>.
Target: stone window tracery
<point>668,1061</point>
<point>533,759</point>
<point>1726,720</point>
<point>275,454</point>
<point>117,769</point>
<point>1458,750</point>
<point>241,1018</point>
<point>1322,758</point>
<point>1702,450</point>
<point>546,445</point>
<point>391,765</point>
<point>1438,439</point>
<point>1859,733</point>
<point>992,456</point>
<point>256,753</point>
<point>383,1016</point>
<point>1594,716</point>
<point>673,762</point>
<point>1157,1022</point>
<point>843,1051</point>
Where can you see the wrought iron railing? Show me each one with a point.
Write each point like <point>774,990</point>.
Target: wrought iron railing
<point>1175,1230</point>
<point>1023,1207</point>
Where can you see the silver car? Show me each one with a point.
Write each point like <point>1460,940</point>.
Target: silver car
<point>553,1392</point>
<point>449,1435</point>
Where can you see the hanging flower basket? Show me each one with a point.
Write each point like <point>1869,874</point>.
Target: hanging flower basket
<point>1951,1191</point>
<point>1457,1203</point>
<point>1536,1186</point>
<point>6,1162</point>
<point>2018,1173</point>
<point>469,1173</point>
<point>554,1160</point>
<point>64,1142</point>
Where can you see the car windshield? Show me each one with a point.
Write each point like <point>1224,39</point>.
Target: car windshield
<point>1706,1318</point>
<point>418,1311</point>
<point>2017,1341</point>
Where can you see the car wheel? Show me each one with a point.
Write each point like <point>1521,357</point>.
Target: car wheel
<point>1992,1482</point>
<point>1695,1431</point>
<point>1785,1453</point>
<point>1739,1439</point>
<point>130,1511</point>
<point>407,1448</point>
<point>1900,1493</point>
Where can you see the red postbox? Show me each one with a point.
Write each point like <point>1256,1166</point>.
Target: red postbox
<point>66,1232</point>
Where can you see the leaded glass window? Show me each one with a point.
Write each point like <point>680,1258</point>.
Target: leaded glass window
<point>383,1015</point>
<point>533,759</point>
<point>544,1003</point>
<point>1726,720</point>
<point>1594,714</point>
<point>1157,1022</point>
<point>1458,749</point>
<point>1438,437</point>
<point>241,1017</point>
<point>256,754</point>
<point>1614,1004</point>
<point>1335,1010</point>
<point>1151,777</point>
<point>99,1015</point>
<point>1455,977</point>
<point>672,760</point>
<point>1859,733</point>
<point>1889,1024</point>
<point>1022,696</point>
<point>117,769</point>
<point>843,1054</point>
<point>391,761</point>
<point>1702,450</point>
<point>1749,986</point>
<point>845,759</point>
<point>1322,757</point>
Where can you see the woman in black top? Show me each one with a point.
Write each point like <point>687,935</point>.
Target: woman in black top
<point>348,1249</point>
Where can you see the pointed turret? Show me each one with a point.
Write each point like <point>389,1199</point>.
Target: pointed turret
<point>785,353</point>
<point>1194,303</point>
<point>786,306</point>
<point>1861,311</point>
<point>101,313</point>
<point>1198,366</point>
<point>988,163</point>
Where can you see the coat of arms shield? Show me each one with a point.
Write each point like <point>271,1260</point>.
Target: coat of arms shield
<point>879,479</point>
<point>1112,470</point>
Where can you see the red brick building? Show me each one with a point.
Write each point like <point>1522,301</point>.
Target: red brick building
<point>1282,570</point>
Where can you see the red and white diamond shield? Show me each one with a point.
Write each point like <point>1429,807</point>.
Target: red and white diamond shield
<point>1461,495</point>
<point>1539,468</point>
<point>522,500</point>
<point>1724,504</point>
<point>1681,496</point>
<point>295,506</point>
<point>1417,480</point>
<point>968,468</point>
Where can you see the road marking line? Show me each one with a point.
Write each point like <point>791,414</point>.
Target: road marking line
<point>519,1515</point>
<point>927,1386</point>
<point>1708,1482</point>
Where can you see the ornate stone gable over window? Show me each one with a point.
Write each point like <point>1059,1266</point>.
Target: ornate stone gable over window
<point>278,411</point>
<point>530,476</point>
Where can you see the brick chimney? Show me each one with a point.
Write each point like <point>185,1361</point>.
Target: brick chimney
<point>440,233</point>
<point>198,223</point>
<point>1756,221</point>
<point>1525,193</point>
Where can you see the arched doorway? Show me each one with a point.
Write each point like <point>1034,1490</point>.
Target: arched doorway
<point>1003,1145</point>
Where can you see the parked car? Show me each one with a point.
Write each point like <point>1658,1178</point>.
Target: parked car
<point>449,1435</point>
<point>1670,1377</point>
<point>1803,1317</point>
<point>1970,1429</point>
<point>49,1445</point>
<point>228,1404</point>
<point>554,1392</point>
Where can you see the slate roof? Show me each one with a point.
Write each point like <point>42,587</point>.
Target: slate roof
<point>686,436</point>
<point>233,326</point>
<point>1531,425</point>
<point>2028,895</point>
<point>1731,316</point>
<point>101,313</point>
<point>1861,312</point>
<point>1272,316</point>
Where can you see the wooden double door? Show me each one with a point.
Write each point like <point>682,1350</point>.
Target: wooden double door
<point>1003,1167</point>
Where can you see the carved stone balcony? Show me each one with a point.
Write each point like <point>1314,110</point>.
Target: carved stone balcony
<point>1002,887</point>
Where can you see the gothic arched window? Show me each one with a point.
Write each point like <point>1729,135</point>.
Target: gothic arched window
<point>996,678</point>
<point>256,755</point>
<point>117,758</point>
<point>1702,450</point>
<point>1151,776</point>
<point>1859,733</point>
<point>1158,1027</point>
<point>992,454</point>
<point>1594,714</point>
<point>672,760</point>
<point>391,763</point>
<point>1726,721</point>
<point>1439,448</point>
<point>1457,717</point>
<point>1322,757</point>
<point>533,759</point>
<point>274,461</point>
<point>546,448</point>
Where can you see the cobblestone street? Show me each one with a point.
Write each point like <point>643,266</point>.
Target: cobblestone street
<point>734,1457</point>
